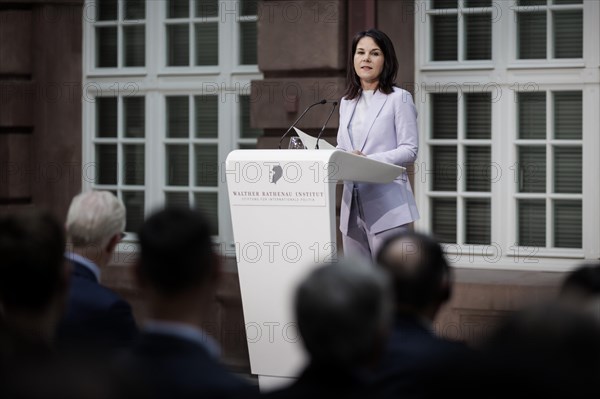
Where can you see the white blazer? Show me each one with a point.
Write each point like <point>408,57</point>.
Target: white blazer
<point>390,136</point>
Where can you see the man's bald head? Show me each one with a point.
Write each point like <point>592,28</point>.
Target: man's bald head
<point>419,270</point>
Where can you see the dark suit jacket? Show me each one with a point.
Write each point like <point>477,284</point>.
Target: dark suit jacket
<point>19,344</point>
<point>96,318</point>
<point>319,381</point>
<point>416,359</point>
<point>174,367</point>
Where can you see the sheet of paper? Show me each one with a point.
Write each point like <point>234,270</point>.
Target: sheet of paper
<point>310,142</point>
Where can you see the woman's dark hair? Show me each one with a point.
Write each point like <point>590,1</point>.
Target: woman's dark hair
<point>390,64</point>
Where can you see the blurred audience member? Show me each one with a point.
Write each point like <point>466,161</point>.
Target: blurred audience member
<point>33,283</point>
<point>178,272</point>
<point>69,378</point>
<point>422,283</point>
<point>581,289</point>
<point>97,318</point>
<point>343,312</point>
<point>549,351</point>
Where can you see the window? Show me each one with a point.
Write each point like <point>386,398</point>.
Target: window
<point>193,30</point>
<point>119,152</point>
<point>192,153</point>
<point>192,33</point>
<point>160,134</point>
<point>120,33</point>
<point>507,174</point>
<point>248,33</point>
<point>460,147</point>
<point>460,30</point>
<point>561,21</point>
<point>549,169</point>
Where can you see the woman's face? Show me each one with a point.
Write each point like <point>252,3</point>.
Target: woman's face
<point>368,62</point>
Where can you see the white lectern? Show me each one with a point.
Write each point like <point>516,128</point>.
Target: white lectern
<point>283,213</point>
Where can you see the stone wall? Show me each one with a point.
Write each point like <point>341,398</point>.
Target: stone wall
<point>40,104</point>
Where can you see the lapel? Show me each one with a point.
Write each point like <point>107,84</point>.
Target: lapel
<point>377,102</point>
<point>347,118</point>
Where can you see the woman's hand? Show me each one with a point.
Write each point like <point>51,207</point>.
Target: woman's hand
<point>358,152</point>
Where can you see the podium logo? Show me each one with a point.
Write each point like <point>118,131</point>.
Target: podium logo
<point>275,173</point>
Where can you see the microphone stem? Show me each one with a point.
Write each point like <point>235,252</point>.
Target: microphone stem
<point>323,128</point>
<point>300,117</point>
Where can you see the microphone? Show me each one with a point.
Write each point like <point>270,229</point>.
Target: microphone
<point>325,124</point>
<point>300,117</point>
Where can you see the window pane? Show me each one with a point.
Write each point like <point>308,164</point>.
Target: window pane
<point>178,115</point>
<point>532,35</point>
<point>479,36</point>
<point>478,223</point>
<point>532,115</point>
<point>177,165</point>
<point>478,3</point>
<point>532,223</point>
<point>444,114</point>
<point>444,168</point>
<point>478,168</point>
<point>133,169</point>
<point>207,116</point>
<point>443,223</point>
<point>568,117</point>
<point>106,117</point>
<point>135,45</point>
<point>567,224</point>
<point>207,165</point>
<point>445,37</point>
<point>249,7</point>
<point>245,130</point>
<point>208,204</point>
<point>106,47</point>
<point>479,115</point>
<point>135,9</point>
<point>178,9</point>
<point>178,45</point>
<point>243,146</point>
<point>437,4</point>
<point>207,8</point>
<point>568,34</point>
<point>532,169</point>
<point>567,170</point>
<point>532,2</point>
<point>248,50</point>
<point>106,163</point>
<point>134,203</point>
<point>107,10</point>
<point>177,200</point>
<point>207,44</point>
<point>567,1</point>
<point>134,108</point>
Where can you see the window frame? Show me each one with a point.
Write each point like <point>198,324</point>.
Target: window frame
<point>154,82</point>
<point>461,142</point>
<point>229,63</point>
<point>507,79</point>
<point>89,41</point>
<point>550,195</point>
<point>548,62</point>
<point>425,27</point>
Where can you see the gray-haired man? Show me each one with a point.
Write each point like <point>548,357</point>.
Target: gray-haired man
<point>97,318</point>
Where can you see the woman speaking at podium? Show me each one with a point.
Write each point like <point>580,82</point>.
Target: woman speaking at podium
<point>377,120</point>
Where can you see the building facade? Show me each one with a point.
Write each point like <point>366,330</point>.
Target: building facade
<point>147,98</point>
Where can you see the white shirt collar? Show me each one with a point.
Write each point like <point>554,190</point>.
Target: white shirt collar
<point>184,331</point>
<point>74,257</point>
